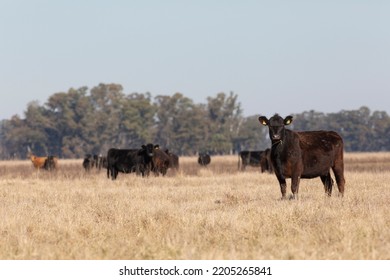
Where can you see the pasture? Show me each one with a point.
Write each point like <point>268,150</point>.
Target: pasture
<point>213,212</point>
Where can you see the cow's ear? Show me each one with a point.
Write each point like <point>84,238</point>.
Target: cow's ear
<point>156,147</point>
<point>288,120</point>
<point>263,120</point>
<point>143,147</point>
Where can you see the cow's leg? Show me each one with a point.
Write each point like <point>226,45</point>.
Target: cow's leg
<point>283,186</point>
<point>147,171</point>
<point>338,171</point>
<point>164,171</point>
<point>114,173</point>
<point>142,171</point>
<point>328,183</point>
<point>295,186</point>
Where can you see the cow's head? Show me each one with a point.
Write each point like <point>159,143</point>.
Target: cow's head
<point>276,126</point>
<point>149,149</point>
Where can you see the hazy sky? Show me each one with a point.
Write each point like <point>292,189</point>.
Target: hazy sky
<point>277,56</point>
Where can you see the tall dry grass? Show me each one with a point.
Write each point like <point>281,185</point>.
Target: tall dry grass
<point>196,213</point>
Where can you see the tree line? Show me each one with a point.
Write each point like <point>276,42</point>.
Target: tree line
<point>82,121</point>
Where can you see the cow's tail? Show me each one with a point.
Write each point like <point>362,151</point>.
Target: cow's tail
<point>108,172</point>
<point>239,160</point>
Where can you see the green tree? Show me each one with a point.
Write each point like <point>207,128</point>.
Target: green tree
<point>252,135</point>
<point>14,136</point>
<point>178,123</point>
<point>380,131</point>
<point>67,112</point>
<point>107,102</point>
<point>225,116</point>
<point>353,126</point>
<point>310,120</point>
<point>137,120</point>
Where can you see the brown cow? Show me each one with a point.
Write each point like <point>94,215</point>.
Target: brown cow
<point>173,160</point>
<point>160,161</point>
<point>204,159</point>
<point>307,154</point>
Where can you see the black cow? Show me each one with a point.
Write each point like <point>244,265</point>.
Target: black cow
<point>307,154</point>
<point>255,159</point>
<point>102,162</point>
<point>50,163</point>
<point>204,159</point>
<point>265,161</point>
<point>94,161</point>
<point>130,160</point>
<point>88,162</point>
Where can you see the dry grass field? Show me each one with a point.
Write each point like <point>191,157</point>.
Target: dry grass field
<point>197,213</point>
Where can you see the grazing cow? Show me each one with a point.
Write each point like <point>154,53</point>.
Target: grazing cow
<point>50,163</point>
<point>173,160</point>
<point>204,159</point>
<point>160,161</point>
<point>255,159</point>
<point>307,154</point>
<point>130,160</point>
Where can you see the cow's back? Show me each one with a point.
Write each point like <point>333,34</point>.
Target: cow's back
<point>319,150</point>
<point>116,156</point>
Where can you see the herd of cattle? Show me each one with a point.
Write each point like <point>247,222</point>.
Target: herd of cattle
<point>295,155</point>
<point>149,158</point>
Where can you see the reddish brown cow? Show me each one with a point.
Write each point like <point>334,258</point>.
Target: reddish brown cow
<point>173,160</point>
<point>37,162</point>
<point>307,154</point>
<point>160,161</point>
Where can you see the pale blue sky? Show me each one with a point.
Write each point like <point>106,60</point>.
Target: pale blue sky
<point>277,56</point>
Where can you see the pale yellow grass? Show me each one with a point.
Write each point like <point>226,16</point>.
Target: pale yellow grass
<point>196,213</point>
